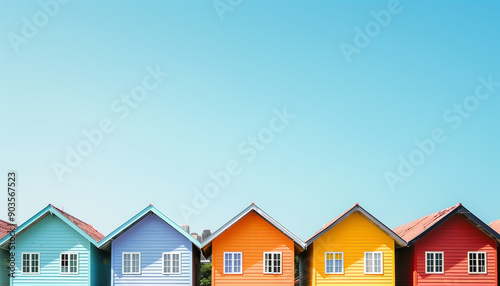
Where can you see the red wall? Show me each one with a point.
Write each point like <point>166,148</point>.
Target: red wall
<point>455,237</point>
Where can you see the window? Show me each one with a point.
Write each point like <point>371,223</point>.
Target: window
<point>272,262</point>
<point>69,263</point>
<point>172,263</point>
<point>131,263</point>
<point>334,262</point>
<point>232,263</point>
<point>434,262</point>
<point>31,263</point>
<point>477,262</point>
<point>373,263</point>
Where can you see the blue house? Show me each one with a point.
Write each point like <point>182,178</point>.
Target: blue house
<point>150,249</point>
<point>5,229</point>
<point>55,248</point>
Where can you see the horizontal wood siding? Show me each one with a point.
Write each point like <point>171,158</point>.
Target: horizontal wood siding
<point>456,237</point>
<point>306,266</point>
<point>354,236</point>
<point>151,237</point>
<point>196,262</point>
<point>101,267</point>
<point>252,235</point>
<point>50,237</point>
<point>4,270</point>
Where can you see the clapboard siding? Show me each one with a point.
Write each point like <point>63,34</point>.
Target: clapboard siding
<point>100,267</point>
<point>50,237</point>
<point>456,237</point>
<point>152,236</point>
<point>354,236</point>
<point>306,266</point>
<point>252,235</point>
<point>4,270</point>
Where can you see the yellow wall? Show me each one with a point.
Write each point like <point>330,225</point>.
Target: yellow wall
<point>353,236</point>
<point>253,236</point>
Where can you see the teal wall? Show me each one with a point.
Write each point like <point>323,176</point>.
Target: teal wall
<point>49,237</point>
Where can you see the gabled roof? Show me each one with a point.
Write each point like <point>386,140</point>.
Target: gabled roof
<point>366,215</point>
<point>83,228</point>
<point>207,244</point>
<point>5,228</point>
<point>496,225</point>
<point>415,230</point>
<point>87,228</point>
<point>106,242</point>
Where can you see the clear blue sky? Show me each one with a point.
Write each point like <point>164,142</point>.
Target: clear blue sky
<point>362,85</point>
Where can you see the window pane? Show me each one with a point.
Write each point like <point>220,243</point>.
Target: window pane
<point>329,263</point>
<point>368,262</point>
<point>176,263</point>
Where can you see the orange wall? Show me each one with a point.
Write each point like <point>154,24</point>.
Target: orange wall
<point>252,235</point>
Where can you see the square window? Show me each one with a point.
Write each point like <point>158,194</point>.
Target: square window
<point>374,263</point>
<point>131,263</point>
<point>434,262</point>
<point>334,262</point>
<point>172,263</point>
<point>477,263</point>
<point>69,263</point>
<point>272,262</point>
<point>233,263</point>
<point>30,263</point>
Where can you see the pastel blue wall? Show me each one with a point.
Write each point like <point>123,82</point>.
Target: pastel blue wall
<point>49,237</point>
<point>151,237</point>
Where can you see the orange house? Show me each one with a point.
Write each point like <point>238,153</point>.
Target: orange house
<point>252,249</point>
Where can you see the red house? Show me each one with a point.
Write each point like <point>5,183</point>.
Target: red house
<point>449,247</point>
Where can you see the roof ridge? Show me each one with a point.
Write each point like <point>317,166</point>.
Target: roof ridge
<point>326,225</point>
<point>404,229</point>
<point>97,236</point>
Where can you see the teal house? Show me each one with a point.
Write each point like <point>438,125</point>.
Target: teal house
<point>55,248</point>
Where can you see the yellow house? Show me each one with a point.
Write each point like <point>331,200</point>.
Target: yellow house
<point>353,249</point>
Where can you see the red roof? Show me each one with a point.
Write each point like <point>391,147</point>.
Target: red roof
<point>5,228</point>
<point>87,228</point>
<point>496,225</point>
<point>413,229</point>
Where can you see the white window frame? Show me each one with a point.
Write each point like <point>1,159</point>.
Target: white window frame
<point>232,262</point>
<point>170,270</point>
<point>69,266</point>
<point>272,255</point>
<point>131,264</point>
<point>442,266</point>
<point>373,261</point>
<point>326,259</point>
<point>477,262</point>
<point>30,263</point>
